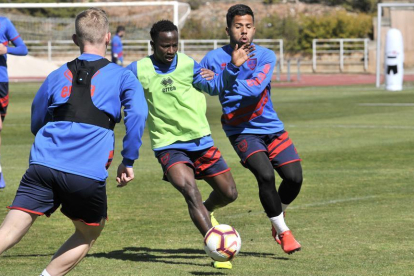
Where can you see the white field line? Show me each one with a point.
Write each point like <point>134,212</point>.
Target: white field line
<point>335,201</point>
<point>351,126</point>
<point>310,205</point>
<point>386,104</point>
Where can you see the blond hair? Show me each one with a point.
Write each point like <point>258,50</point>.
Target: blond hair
<point>91,26</point>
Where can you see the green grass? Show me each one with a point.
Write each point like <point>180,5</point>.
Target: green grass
<point>354,215</point>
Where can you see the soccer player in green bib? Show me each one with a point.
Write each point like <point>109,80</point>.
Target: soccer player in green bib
<point>178,127</point>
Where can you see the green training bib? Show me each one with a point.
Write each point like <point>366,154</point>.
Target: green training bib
<point>176,110</point>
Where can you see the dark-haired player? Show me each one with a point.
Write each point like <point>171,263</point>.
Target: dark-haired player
<point>8,34</point>
<point>177,123</point>
<point>253,127</point>
<point>73,116</point>
<point>117,53</point>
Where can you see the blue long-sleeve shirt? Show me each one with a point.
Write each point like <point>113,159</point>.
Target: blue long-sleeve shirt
<point>117,48</point>
<point>85,149</point>
<point>210,87</point>
<point>246,105</point>
<point>8,33</point>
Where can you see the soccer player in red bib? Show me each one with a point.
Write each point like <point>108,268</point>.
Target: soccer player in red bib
<point>8,34</point>
<point>73,117</point>
<point>253,127</point>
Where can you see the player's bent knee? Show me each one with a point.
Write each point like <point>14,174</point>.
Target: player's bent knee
<point>294,179</point>
<point>266,178</point>
<point>231,195</point>
<point>298,180</point>
<point>234,196</point>
<point>89,232</point>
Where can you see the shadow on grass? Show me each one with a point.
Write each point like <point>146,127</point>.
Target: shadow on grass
<point>169,256</point>
<point>145,254</point>
<point>11,255</point>
<point>262,255</point>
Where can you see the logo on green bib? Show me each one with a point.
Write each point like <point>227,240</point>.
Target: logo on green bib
<point>168,85</point>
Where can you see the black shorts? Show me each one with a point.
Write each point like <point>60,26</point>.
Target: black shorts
<point>4,98</point>
<point>42,190</point>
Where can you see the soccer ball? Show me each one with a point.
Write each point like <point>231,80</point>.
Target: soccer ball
<point>222,243</point>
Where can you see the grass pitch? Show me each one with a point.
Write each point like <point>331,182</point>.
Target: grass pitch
<point>354,215</point>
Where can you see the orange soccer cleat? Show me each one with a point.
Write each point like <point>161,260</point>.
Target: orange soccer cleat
<point>288,242</point>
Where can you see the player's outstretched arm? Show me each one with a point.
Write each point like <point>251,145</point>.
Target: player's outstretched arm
<point>20,48</point>
<point>204,78</point>
<point>241,54</point>
<point>207,74</point>
<point>124,175</point>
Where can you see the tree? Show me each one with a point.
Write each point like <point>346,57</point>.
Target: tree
<point>197,29</point>
<point>286,28</point>
<point>336,25</point>
<point>367,6</point>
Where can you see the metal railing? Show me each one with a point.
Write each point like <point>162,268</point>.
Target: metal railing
<point>337,52</point>
<point>137,48</point>
<point>351,51</point>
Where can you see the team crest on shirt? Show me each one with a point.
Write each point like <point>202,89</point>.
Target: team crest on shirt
<point>168,85</point>
<point>165,158</point>
<point>242,146</point>
<point>223,65</point>
<point>251,63</point>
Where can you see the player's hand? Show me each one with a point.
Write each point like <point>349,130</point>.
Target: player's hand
<point>124,175</point>
<point>207,74</point>
<point>3,49</point>
<point>242,54</point>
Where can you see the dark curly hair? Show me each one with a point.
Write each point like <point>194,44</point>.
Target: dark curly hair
<point>238,9</point>
<point>162,26</point>
<point>120,29</point>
